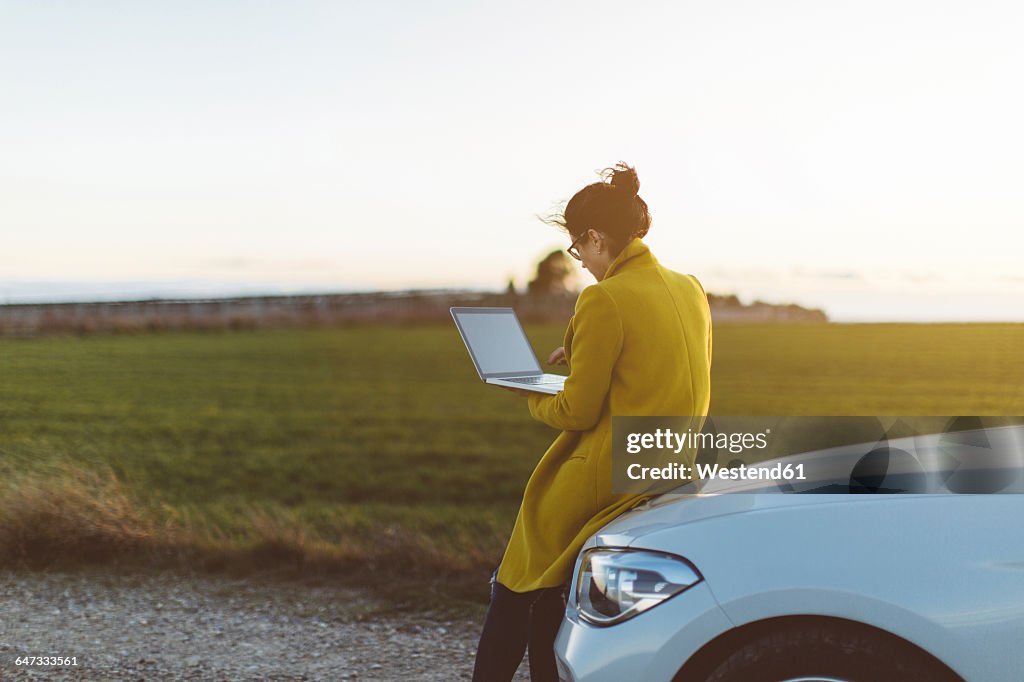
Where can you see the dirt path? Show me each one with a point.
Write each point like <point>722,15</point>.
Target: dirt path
<point>169,627</point>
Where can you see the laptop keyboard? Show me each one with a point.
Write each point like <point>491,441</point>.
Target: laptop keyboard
<point>542,379</point>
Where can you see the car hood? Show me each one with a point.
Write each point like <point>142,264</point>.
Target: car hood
<point>668,511</point>
<point>925,466</point>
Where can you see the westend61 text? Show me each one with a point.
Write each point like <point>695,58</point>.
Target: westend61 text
<point>778,472</point>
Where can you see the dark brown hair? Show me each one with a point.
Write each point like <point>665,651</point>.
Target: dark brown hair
<point>610,206</point>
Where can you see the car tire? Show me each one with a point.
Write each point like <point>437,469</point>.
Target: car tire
<point>827,652</point>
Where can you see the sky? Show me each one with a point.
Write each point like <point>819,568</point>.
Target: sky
<point>865,158</point>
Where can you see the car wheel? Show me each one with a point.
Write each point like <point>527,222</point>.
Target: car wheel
<point>827,653</point>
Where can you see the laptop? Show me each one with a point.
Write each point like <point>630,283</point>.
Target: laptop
<point>500,350</point>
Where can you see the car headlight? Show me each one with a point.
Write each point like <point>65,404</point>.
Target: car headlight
<point>614,585</point>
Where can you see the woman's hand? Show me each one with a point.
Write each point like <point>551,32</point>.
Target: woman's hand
<point>557,356</point>
<point>519,391</point>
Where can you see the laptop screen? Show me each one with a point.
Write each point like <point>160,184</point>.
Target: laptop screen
<point>496,341</point>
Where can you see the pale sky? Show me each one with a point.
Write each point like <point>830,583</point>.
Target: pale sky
<point>867,157</point>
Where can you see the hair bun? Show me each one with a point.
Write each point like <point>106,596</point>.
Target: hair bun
<point>624,179</point>
<point>611,205</point>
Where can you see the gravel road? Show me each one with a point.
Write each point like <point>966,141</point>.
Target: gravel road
<point>173,627</point>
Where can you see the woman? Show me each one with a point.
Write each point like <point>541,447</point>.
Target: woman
<point>639,344</point>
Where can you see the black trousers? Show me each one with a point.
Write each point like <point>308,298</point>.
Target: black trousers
<point>515,621</point>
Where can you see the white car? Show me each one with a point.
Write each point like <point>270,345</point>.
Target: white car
<point>808,587</point>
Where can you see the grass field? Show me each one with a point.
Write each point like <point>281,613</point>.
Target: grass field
<point>376,451</point>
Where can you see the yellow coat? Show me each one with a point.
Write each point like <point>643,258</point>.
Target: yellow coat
<point>639,344</point>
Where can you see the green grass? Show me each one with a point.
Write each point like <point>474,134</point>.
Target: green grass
<point>339,448</point>
<point>869,369</point>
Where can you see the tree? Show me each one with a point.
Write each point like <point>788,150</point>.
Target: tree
<point>552,276</point>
